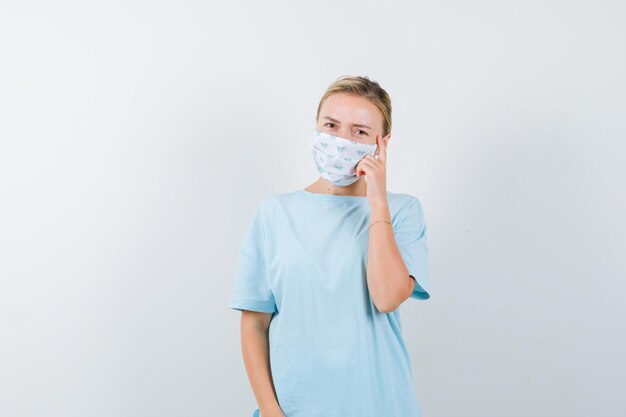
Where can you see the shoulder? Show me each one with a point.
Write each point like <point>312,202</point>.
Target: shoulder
<point>405,209</point>
<point>271,204</point>
<point>403,201</point>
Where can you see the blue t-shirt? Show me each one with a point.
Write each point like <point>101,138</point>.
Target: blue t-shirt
<point>332,353</point>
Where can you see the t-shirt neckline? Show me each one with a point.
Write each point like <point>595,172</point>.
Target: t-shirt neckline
<point>330,197</point>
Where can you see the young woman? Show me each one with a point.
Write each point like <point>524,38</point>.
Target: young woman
<point>322,271</point>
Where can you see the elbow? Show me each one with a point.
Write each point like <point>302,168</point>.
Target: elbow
<point>385,310</point>
<point>392,304</point>
<point>387,307</point>
<point>382,304</point>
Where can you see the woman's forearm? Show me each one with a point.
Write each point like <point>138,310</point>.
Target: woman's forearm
<point>255,348</point>
<point>387,276</point>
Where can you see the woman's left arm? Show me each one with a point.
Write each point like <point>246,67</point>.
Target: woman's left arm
<point>388,279</point>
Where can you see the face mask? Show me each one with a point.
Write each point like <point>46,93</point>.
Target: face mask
<point>336,158</point>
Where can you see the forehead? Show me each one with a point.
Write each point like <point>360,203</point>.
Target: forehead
<point>349,108</point>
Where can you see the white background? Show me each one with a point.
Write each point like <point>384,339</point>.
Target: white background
<point>136,139</point>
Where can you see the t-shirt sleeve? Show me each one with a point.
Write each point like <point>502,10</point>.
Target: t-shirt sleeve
<point>251,285</point>
<point>410,234</point>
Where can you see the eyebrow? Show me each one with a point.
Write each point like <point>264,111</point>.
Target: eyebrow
<point>354,124</point>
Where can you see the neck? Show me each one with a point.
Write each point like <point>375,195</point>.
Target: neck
<point>357,188</point>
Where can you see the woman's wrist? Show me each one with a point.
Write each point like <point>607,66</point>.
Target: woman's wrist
<point>379,203</point>
<point>379,211</point>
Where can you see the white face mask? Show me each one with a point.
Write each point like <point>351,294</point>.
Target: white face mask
<point>336,158</point>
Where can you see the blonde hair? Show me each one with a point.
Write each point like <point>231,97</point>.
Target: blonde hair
<point>363,87</point>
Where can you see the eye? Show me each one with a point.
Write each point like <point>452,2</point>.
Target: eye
<point>362,131</point>
<point>329,123</point>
